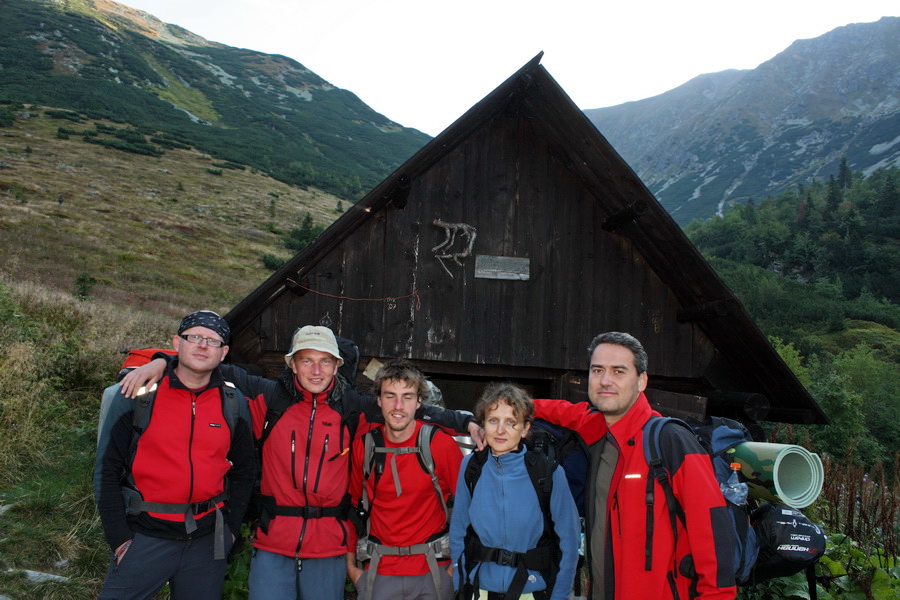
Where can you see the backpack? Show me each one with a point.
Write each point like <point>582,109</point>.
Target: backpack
<point>141,356</point>
<point>374,460</point>
<point>789,543</point>
<point>767,543</point>
<point>565,448</point>
<point>133,358</point>
<point>545,556</point>
<point>350,355</point>
<point>717,438</point>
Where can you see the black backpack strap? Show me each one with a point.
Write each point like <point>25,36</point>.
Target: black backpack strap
<point>544,557</point>
<point>659,473</point>
<point>279,403</point>
<point>231,399</point>
<point>142,407</point>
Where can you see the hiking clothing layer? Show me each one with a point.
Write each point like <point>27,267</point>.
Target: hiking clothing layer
<point>184,456</point>
<point>705,539</point>
<point>416,515</point>
<point>505,513</point>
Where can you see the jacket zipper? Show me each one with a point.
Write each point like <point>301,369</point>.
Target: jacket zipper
<point>191,445</point>
<point>312,420</point>
<point>618,514</point>
<point>309,438</point>
<point>321,460</point>
<point>294,458</point>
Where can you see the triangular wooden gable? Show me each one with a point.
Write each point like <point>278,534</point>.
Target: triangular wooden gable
<point>568,242</point>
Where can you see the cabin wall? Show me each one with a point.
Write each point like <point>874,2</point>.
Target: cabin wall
<point>384,287</point>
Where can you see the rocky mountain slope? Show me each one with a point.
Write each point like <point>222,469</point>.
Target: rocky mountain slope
<point>265,111</point>
<point>730,136</point>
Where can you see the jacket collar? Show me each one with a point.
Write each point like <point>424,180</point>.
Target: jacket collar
<point>633,421</point>
<point>303,394</point>
<point>215,379</point>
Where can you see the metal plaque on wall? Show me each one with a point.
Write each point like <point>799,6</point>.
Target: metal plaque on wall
<point>502,267</point>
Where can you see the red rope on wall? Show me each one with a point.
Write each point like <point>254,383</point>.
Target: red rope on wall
<point>414,294</point>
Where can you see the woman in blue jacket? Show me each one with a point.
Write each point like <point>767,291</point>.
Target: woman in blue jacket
<point>503,541</point>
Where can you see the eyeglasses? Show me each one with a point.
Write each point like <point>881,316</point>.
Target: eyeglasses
<point>197,339</point>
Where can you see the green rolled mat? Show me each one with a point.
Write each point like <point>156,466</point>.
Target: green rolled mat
<point>782,473</point>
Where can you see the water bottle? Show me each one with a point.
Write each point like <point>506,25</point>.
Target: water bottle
<point>735,490</point>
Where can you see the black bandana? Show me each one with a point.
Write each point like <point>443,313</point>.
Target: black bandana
<point>208,319</point>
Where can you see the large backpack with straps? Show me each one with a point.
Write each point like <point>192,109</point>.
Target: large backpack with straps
<point>724,437</point>
<point>565,448</point>
<point>544,557</point>
<point>374,460</point>
<point>759,553</point>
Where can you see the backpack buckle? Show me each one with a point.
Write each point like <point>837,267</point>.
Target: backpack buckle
<point>506,558</point>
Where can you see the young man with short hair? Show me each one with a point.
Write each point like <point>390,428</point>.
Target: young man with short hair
<point>407,518</point>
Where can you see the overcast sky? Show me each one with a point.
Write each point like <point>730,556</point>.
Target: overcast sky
<point>423,64</point>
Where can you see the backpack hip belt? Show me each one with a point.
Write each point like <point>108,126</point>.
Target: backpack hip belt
<point>535,559</point>
<point>433,550</point>
<point>269,509</point>
<point>135,505</point>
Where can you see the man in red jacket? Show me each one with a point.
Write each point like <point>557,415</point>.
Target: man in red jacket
<point>171,499</point>
<point>694,564</point>
<point>408,544</point>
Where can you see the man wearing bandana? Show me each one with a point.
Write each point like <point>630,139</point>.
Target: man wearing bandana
<point>171,495</point>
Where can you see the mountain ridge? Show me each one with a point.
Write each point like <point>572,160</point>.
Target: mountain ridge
<point>726,137</point>
<point>716,140</point>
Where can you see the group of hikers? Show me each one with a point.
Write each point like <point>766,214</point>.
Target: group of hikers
<point>337,483</point>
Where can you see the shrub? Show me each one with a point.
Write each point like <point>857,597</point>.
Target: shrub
<point>273,262</point>
<point>84,286</point>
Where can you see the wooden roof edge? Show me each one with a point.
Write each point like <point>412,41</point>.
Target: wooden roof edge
<point>656,243</point>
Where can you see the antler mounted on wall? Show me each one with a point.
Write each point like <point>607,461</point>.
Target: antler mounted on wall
<point>442,251</point>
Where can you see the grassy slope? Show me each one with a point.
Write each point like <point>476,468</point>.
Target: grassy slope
<point>162,234</point>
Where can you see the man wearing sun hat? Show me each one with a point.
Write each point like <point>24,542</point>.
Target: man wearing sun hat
<point>170,496</point>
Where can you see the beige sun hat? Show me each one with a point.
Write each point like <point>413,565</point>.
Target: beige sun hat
<point>311,337</point>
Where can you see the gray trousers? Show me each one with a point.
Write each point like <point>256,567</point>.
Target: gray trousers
<point>411,587</point>
<point>187,565</point>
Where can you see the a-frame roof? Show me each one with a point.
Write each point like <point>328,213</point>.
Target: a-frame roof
<point>628,209</point>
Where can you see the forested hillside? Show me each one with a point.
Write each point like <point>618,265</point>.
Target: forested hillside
<point>817,268</point>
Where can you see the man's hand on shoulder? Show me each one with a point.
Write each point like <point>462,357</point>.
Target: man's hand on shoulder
<point>477,434</point>
<point>143,376</point>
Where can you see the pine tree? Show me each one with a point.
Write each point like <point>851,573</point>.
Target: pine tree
<point>845,175</point>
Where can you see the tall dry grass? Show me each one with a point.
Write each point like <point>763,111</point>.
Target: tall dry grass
<point>57,353</point>
<point>863,504</point>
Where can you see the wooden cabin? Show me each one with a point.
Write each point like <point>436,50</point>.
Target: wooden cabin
<point>500,249</point>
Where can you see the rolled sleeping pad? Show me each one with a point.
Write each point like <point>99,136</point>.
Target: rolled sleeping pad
<point>782,473</point>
